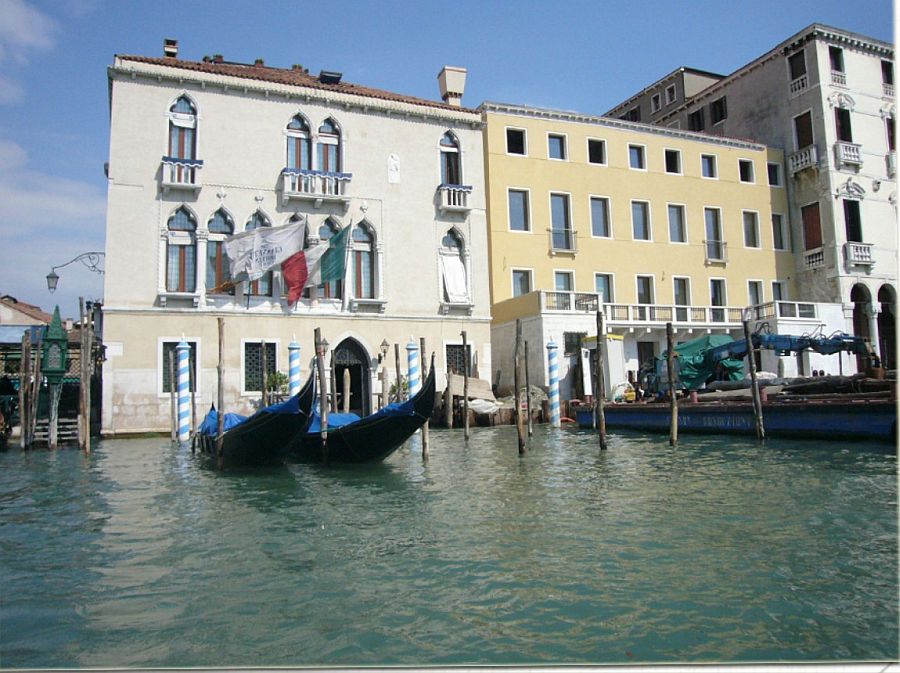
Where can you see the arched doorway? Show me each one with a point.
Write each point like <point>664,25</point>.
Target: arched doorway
<point>862,300</point>
<point>350,355</point>
<point>887,330</point>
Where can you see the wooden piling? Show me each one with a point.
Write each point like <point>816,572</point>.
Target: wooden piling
<point>323,393</point>
<point>53,429</point>
<point>24,385</point>
<point>600,393</point>
<point>220,391</point>
<point>670,369</point>
<point>465,346</point>
<point>517,367</point>
<point>264,397</point>
<point>345,391</point>
<point>332,376</point>
<point>754,388</point>
<point>89,373</point>
<point>385,385</point>
<point>528,394</point>
<point>424,376</point>
<point>448,403</point>
<point>193,400</point>
<point>397,370</point>
<point>35,394</point>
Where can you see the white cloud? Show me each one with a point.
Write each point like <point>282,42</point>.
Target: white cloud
<point>11,155</point>
<point>23,27</point>
<point>10,91</point>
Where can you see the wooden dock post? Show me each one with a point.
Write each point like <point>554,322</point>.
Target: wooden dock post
<point>87,358</point>
<point>332,376</point>
<point>517,367</point>
<point>24,386</point>
<point>35,394</point>
<point>220,391</point>
<point>345,391</point>
<point>528,394</point>
<point>600,393</point>
<point>397,370</point>
<point>264,366</point>
<point>465,385</point>
<point>192,388</point>
<point>448,403</point>
<point>424,376</point>
<point>323,393</point>
<point>754,388</point>
<point>670,369</point>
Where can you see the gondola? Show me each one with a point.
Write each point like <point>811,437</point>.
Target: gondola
<point>367,440</point>
<point>262,438</point>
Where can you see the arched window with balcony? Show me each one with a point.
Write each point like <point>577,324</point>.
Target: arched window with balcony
<point>181,252</point>
<point>218,272</point>
<point>262,286</point>
<point>328,147</point>
<point>299,145</point>
<point>183,129</point>
<point>453,268</point>
<point>363,261</point>
<point>451,169</point>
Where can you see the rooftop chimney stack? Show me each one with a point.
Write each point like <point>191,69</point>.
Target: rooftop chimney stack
<point>170,48</point>
<point>452,81</point>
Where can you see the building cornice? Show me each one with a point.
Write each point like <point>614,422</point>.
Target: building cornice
<point>619,124</point>
<point>124,70</point>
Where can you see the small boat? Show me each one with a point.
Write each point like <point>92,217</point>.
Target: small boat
<point>352,439</point>
<point>262,438</point>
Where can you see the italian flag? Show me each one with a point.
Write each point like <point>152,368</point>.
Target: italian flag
<point>319,264</point>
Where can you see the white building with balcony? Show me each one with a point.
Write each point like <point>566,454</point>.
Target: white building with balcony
<point>826,97</point>
<point>202,150</point>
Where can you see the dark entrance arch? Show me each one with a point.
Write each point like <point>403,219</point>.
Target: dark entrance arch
<point>862,300</point>
<point>887,327</point>
<point>350,355</point>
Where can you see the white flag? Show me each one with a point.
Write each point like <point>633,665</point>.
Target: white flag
<point>252,253</point>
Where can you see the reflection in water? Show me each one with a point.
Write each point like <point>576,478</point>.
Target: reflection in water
<point>720,549</point>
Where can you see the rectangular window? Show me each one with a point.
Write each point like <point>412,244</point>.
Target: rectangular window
<point>596,151</point>
<point>673,161</point>
<point>604,287</point>
<point>600,217</point>
<point>774,171</point>
<point>803,131</point>
<point>696,121</point>
<point>518,210</point>
<point>887,73</point>
<point>633,115</point>
<point>181,265</point>
<point>670,94</point>
<point>515,141</point>
<point>853,221</point>
<point>715,246</point>
<point>812,227</point>
<point>563,281</point>
<point>572,342</point>
<point>890,132</point>
<point>169,351</point>
<point>745,168</point>
<point>561,223</point>
<point>779,290</point>
<point>755,292</point>
<point>636,158</point>
<point>644,289</point>
<point>682,290</point>
<point>457,362</point>
<point>797,65</point>
<point>717,298</point>
<point>640,221</point>
<point>842,125</point>
<point>556,146</point>
<point>708,165</point>
<point>253,364</point>
<point>718,110</point>
<point>521,280</point>
<point>779,234</point>
<point>751,230</point>
<point>655,102</point>
<point>677,232</point>
<point>836,56</point>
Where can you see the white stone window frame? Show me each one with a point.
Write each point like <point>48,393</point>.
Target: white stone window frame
<point>350,299</point>
<point>671,94</point>
<point>169,237</point>
<point>709,287</point>
<point>587,147</point>
<point>206,236</point>
<point>785,233</point>
<point>812,128</point>
<point>743,161</point>
<point>783,287</point>
<point>655,103</point>
<point>564,143</point>
<point>160,364</point>
<point>466,257</point>
<point>644,158</point>
<point>637,288</point>
<point>612,284</point>
<point>684,222</point>
<point>524,132</point>
<point>528,215</point>
<point>568,272</point>
<point>649,210</point>
<point>762,291</point>
<point>779,170</point>
<point>609,215</point>
<point>317,138</point>
<point>183,120</point>
<point>755,213</point>
<point>715,166</point>
<point>690,291</point>
<point>678,152</point>
<point>512,280</point>
<point>459,153</point>
<point>259,340</point>
<point>293,133</point>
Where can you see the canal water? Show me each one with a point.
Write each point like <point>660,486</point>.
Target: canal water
<point>719,550</point>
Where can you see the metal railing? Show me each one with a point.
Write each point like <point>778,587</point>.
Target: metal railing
<point>858,253</point>
<point>808,157</point>
<point>716,251</point>
<point>563,240</point>
<point>304,183</point>
<point>784,309</point>
<point>646,314</point>
<point>847,153</point>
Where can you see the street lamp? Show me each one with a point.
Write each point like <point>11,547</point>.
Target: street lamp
<point>384,348</point>
<point>91,260</point>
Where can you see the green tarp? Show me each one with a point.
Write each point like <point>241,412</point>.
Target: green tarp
<point>695,366</point>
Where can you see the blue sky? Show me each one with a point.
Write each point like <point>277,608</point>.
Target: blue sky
<point>574,55</point>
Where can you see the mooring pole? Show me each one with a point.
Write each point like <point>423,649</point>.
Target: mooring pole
<point>553,376</point>
<point>430,411</point>
<point>35,394</point>
<point>527,393</point>
<point>448,403</point>
<point>88,371</point>
<point>24,381</point>
<point>263,401</point>
<point>173,383</point>
<point>323,393</point>
<point>517,367</point>
<point>53,433</point>
<point>220,392</point>
<point>600,393</point>
<point>754,389</point>
<point>193,389</point>
<point>465,386</point>
<point>345,396</point>
<point>385,387</point>
<point>332,376</point>
<point>670,368</point>
<point>397,369</point>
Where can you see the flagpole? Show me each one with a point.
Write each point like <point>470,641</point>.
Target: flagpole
<point>345,295</point>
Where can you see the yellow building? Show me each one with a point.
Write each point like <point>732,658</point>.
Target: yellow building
<point>658,225</point>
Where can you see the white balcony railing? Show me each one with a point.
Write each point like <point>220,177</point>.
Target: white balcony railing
<point>454,198</point>
<point>813,259</point>
<point>784,309</point>
<point>181,173</point>
<point>838,78</point>
<point>799,85</point>
<point>563,240</point>
<point>847,154</point>
<point>643,314</point>
<point>318,186</point>
<point>716,252</point>
<point>859,254</point>
<point>890,159</point>
<point>887,90</point>
<point>808,157</point>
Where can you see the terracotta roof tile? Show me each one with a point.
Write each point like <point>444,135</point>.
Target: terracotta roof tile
<point>28,309</point>
<point>292,77</point>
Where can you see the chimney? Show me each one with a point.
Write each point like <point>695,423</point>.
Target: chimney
<point>170,48</point>
<point>452,81</point>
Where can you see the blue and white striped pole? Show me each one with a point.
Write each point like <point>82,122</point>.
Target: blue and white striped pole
<point>553,366</point>
<point>412,363</point>
<point>184,390</point>
<point>293,366</point>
